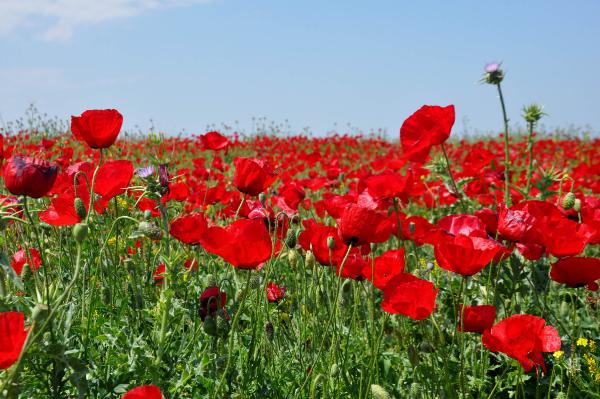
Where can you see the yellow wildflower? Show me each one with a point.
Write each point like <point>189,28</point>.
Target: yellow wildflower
<point>112,241</point>
<point>558,355</point>
<point>582,342</point>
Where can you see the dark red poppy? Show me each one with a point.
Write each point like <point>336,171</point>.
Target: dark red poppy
<point>465,255</point>
<point>21,257</point>
<point>211,300</point>
<point>29,176</point>
<point>577,272</point>
<point>275,293</point>
<point>12,337</point>
<point>189,228</point>
<point>245,243</point>
<point>360,225</point>
<point>144,392</point>
<point>385,267</point>
<point>252,176</point>
<point>214,141</point>
<point>477,319</point>
<point>430,125</point>
<point>410,296</point>
<point>524,338</point>
<point>99,128</point>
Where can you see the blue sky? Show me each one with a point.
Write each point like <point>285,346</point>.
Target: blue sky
<point>189,63</point>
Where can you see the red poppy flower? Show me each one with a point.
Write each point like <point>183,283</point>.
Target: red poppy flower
<point>29,176</point>
<point>189,228</point>
<point>314,237</point>
<point>12,337</point>
<point>360,225</point>
<point>354,266</point>
<point>477,319</point>
<point>112,179</point>
<point>577,272</point>
<point>214,141</point>
<point>468,225</point>
<point>99,128</point>
<point>144,392</point>
<point>275,293</point>
<point>158,274</point>
<point>524,338</point>
<point>20,258</point>
<point>465,255</point>
<point>410,296</point>
<point>385,267</point>
<point>244,243</point>
<point>211,300</point>
<point>388,185</point>
<point>252,176</point>
<point>430,125</point>
<point>514,225</point>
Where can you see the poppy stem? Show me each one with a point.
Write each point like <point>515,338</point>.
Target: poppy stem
<point>450,175</point>
<point>242,202</point>
<point>530,158</point>
<point>40,250</point>
<point>506,148</point>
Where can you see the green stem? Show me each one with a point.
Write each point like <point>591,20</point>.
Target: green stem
<point>506,149</point>
<point>450,175</point>
<point>530,158</point>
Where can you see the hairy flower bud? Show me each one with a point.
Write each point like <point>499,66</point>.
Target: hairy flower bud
<point>379,392</point>
<point>80,208</point>
<point>80,232</point>
<point>568,201</point>
<point>309,259</point>
<point>150,230</point>
<point>533,113</point>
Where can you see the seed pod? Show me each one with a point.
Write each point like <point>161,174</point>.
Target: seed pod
<point>568,201</point>
<point>330,243</point>
<point>80,208</point>
<point>210,326</point>
<point>577,205</point>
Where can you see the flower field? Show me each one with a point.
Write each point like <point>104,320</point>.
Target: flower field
<point>280,267</point>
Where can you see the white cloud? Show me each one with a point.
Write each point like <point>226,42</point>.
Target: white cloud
<point>64,16</point>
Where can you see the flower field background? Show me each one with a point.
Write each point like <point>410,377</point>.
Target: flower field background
<point>282,267</point>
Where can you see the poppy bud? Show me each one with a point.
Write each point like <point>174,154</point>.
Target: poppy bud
<point>568,201</point>
<point>379,392</point>
<point>210,280</point>
<point>269,330</point>
<point>292,257</point>
<point>39,313</point>
<point>150,230</point>
<point>210,326</point>
<point>255,281</point>
<point>262,198</point>
<point>330,243</point>
<point>222,326</point>
<point>29,176</point>
<point>79,208</point>
<point>309,259</point>
<point>291,238</point>
<point>577,205</point>
<point>80,232</point>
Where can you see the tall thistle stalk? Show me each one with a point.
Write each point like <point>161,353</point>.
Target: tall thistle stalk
<point>532,114</point>
<point>494,76</point>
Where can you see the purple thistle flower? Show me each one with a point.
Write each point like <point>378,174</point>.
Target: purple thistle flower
<point>492,67</point>
<point>145,171</point>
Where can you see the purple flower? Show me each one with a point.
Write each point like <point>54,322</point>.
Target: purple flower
<point>492,67</point>
<point>163,175</point>
<point>145,171</point>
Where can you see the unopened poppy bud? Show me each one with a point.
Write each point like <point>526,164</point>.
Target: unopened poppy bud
<point>80,208</point>
<point>255,281</point>
<point>568,201</point>
<point>577,205</point>
<point>379,392</point>
<point>309,259</point>
<point>563,309</point>
<point>269,330</point>
<point>222,326</point>
<point>39,313</point>
<point>334,371</point>
<point>262,198</point>
<point>291,238</point>
<point>150,230</point>
<point>80,232</point>
<point>211,281</point>
<point>330,243</point>
<point>210,326</point>
<point>292,257</point>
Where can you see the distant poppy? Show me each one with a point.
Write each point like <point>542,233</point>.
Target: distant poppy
<point>388,185</point>
<point>524,338</point>
<point>214,141</point>
<point>275,293</point>
<point>29,176</point>
<point>577,272</point>
<point>360,225</point>
<point>430,125</point>
<point>252,176</point>
<point>21,257</point>
<point>144,392</point>
<point>477,319</point>
<point>189,228</point>
<point>99,128</point>
<point>244,243</point>
<point>410,296</point>
<point>12,337</point>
